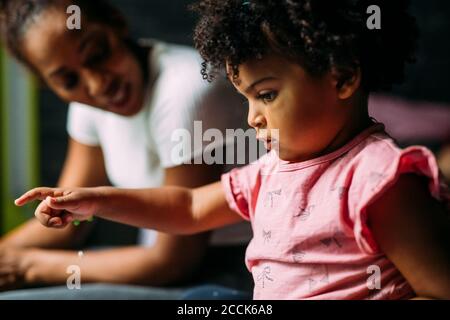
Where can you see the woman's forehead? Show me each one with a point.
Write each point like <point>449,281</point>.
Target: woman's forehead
<point>44,39</point>
<point>49,40</point>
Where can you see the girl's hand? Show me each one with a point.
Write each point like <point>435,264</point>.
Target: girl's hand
<point>59,207</point>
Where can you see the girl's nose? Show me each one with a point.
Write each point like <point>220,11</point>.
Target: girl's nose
<point>255,118</point>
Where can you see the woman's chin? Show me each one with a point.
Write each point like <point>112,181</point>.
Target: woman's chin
<point>129,111</point>
<point>133,107</point>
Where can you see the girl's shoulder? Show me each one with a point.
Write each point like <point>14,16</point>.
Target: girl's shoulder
<point>378,162</point>
<point>374,167</point>
<point>380,152</point>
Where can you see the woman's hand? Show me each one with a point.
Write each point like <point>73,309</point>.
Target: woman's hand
<point>31,267</point>
<point>60,206</point>
<point>14,266</point>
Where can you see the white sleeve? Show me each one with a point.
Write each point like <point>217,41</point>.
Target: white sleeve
<point>186,113</point>
<point>81,124</point>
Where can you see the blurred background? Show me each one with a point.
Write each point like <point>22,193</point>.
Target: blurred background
<point>33,136</point>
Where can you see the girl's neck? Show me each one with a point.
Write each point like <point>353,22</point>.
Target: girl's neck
<point>357,122</point>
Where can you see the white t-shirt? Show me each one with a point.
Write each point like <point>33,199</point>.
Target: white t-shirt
<point>137,149</point>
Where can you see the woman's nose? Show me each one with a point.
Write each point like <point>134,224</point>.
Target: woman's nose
<point>95,83</point>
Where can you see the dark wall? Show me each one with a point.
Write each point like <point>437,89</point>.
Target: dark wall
<point>428,78</point>
<point>170,21</point>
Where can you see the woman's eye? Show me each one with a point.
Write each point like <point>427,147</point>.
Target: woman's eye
<point>71,81</point>
<point>268,96</point>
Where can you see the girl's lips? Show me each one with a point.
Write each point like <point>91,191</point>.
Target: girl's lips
<point>268,143</point>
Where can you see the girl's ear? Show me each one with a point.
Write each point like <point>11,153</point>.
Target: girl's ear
<point>347,81</point>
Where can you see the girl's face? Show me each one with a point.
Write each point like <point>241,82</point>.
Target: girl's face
<point>91,66</point>
<point>307,111</point>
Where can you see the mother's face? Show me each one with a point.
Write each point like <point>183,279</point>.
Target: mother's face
<point>93,65</point>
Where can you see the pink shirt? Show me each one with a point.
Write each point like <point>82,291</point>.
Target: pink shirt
<point>310,234</point>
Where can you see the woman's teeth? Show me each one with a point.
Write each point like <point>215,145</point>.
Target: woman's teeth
<point>119,97</point>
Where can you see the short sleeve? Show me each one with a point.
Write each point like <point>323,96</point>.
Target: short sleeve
<point>241,186</point>
<point>235,194</point>
<point>371,180</point>
<point>81,124</point>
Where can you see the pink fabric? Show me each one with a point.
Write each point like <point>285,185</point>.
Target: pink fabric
<point>310,234</point>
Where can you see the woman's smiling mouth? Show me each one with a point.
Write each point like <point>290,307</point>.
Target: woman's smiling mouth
<point>122,96</point>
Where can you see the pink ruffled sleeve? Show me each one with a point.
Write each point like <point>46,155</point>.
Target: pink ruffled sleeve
<point>372,178</point>
<point>240,186</point>
<point>235,194</point>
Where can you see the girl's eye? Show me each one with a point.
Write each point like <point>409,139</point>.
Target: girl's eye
<point>267,97</point>
<point>71,81</point>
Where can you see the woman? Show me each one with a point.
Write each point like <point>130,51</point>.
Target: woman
<point>126,102</point>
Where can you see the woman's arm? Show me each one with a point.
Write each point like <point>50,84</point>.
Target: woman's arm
<point>413,230</point>
<point>122,265</point>
<point>83,167</point>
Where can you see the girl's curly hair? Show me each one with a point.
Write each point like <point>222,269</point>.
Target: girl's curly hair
<point>321,35</point>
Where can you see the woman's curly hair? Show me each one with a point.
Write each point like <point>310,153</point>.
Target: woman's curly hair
<point>321,35</point>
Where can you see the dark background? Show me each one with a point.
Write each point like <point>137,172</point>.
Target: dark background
<point>169,20</point>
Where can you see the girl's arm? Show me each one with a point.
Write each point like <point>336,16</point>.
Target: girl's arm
<point>173,210</point>
<point>413,230</point>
